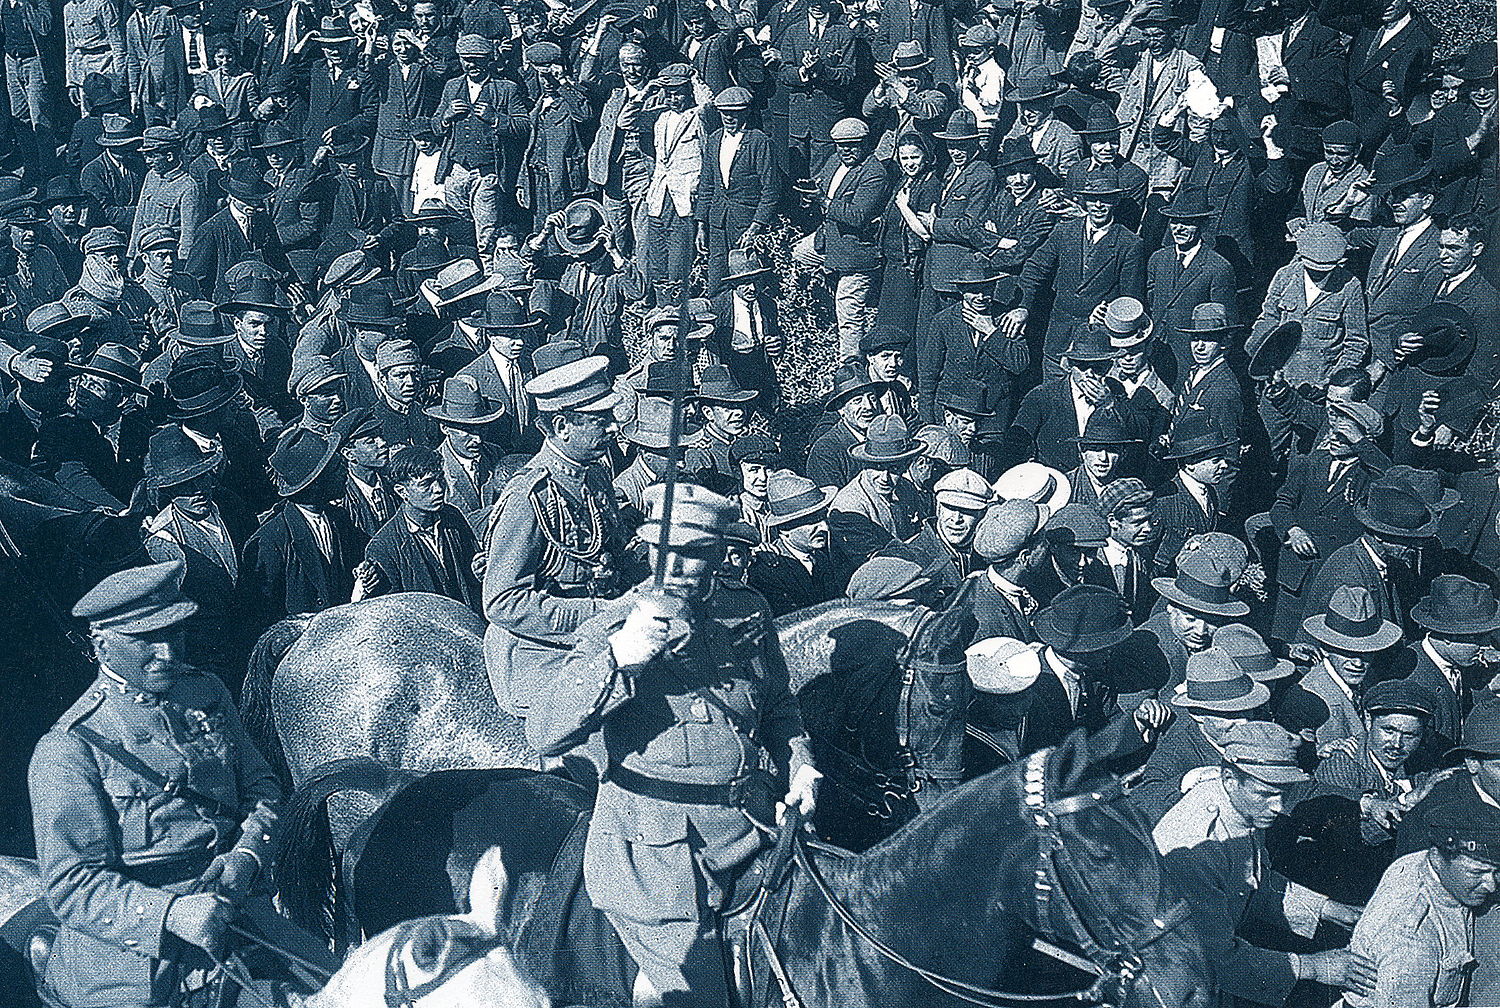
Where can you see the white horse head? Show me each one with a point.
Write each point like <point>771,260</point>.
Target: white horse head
<point>439,962</point>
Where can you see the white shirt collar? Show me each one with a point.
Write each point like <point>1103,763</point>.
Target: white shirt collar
<point>1198,490</point>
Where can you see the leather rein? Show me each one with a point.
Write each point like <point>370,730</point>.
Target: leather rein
<point>1113,968</point>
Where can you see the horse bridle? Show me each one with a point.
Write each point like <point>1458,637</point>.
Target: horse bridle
<point>475,944</point>
<point>1115,966</point>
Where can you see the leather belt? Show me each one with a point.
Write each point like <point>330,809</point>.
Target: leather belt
<point>735,793</point>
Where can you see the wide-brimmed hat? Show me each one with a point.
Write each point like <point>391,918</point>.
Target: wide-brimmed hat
<point>1033,85</point>
<point>744,264</point>
<point>850,384</point>
<point>1448,337</point>
<point>1392,509</point>
<point>1215,683</point>
<point>652,426</point>
<point>1428,483</point>
<point>965,396</point>
<point>1251,653</point>
<point>56,322</point>
<point>583,226</point>
<point>300,458</point>
<point>1275,350</point>
<point>119,131</point>
<point>463,405</point>
<point>1481,732</point>
<point>1188,203</point>
<point>1204,582</point>
<point>1109,426</point>
<point>1196,434</point>
<point>332,30</point>
<point>719,385</point>
<point>198,326</point>
<point>1398,168</point>
<point>117,363</point>
<point>431,211</point>
<point>1101,120</point>
<point>504,313</point>
<point>277,135</point>
<point>961,128</point>
<point>458,281</point>
<point>1456,606</point>
<point>1352,623</point>
<point>173,458</point>
<point>211,120</point>
<point>1014,152</point>
<point>1101,183</point>
<point>1035,482</point>
<point>369,307</point>
<point>1083,618</point>
<point>887,443</point>
<point>794,500</point>
<point>1209,319</point>
<point>257,294</point>
<point>198,384</point>
<point>909,55</point>
<point>1090,343</point>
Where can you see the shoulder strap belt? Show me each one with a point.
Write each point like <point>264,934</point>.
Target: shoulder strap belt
<point>136,765</point>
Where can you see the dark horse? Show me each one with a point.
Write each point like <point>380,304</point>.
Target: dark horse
<point>54,546</point>
<point>1033,880</point>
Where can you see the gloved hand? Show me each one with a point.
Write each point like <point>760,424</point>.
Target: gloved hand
<point>199,919</point>
<point>644,635</point>
<point>230,874</point>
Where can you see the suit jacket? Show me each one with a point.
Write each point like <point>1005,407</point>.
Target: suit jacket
<point>1142,103</point>
<point>608,151</point>
<point>1403,60</point>
<point>828,461</point>
<point>958,231</point>
<point>510,429</point>
<point>1396,288</point>
<point>1080,275</point>
<point>1179,517</point>
<point>155,66</point>
<point>946,566</point>
<point>220,244</point>
<point>468,492</point>
<point>1394,591</point>
<point>1182,747</point>
<point>404,105</point>
<point>750,196</point>
<point>406,564</point>
<point>1173,292</point>
<point>500,132</point>
<point>331,103</point>
<point>787,585</point>
<point>828,95</point>
<point>114,187</point>
<point>1306,501</point>
<point>1217,392</point>
<point>285,572</point>
<point>849,236</point>
<point>360,204</point>
<point>1414,664</point>
<point>1048,415</point>
<point>556,155</point>
<point>299,215</point>
<point>1470,528</point>
<point>1344,717</point>
<point>1046,717</point>
<point>1025,222</point>
<point>711,63</point>
<point>359,510</point>
<point>952,349</point>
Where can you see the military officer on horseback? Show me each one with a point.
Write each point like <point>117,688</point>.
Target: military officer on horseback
<point>153,811</point>
<point>556,548</point>
<point>684,688</point>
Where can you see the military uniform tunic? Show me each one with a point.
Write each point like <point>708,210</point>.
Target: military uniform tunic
<point>556,549</point>
<point>715,710</point>
<point>114,848</point>
<point>1420,938</point>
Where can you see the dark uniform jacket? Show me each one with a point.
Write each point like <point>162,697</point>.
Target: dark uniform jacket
<point>114,850</point>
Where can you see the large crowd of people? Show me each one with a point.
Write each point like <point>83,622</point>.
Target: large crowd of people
<point>1159,342</point>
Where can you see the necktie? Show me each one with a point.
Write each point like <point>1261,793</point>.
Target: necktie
<point>1212,496</point>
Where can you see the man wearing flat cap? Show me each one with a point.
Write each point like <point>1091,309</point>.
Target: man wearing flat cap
<point>554,164</point>
<point>141,908</point>
<point>672,826</point>
<point>1213,842</point>
<point>945,545</point>
<point>556,541</point>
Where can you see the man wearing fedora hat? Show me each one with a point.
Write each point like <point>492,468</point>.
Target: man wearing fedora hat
<point>1034,91</point>
<point>427,545</point>
<point>302,557</point>
<point>1109,447</point>
<point>747,334</point>
<point>367,500</point>
<point>726,409</point>
<point>236,233</point>
<point>1208,381</point>
<point>1056,412</point>
<point>649,433</point>
<point>1186,272</point>
<point>1350,636</point>
<point>507,332</point>
<point>881,492</point>
<point>1100,134</point>
<point>662,854</point>
<point>107,394</point>
<point>1457,619</point>
<point>556,541</point>
<point>1020,212</point>
<point>257,311</point>
<point>1083,263</point>
<point>968,340</point>
<point>601,282</point>
<point>111,178</point>
<point>968,187</point>
<point>1213,841</point>
<point>797,568</point>
<point>469,457</point>
<point>1383,560</point>
<point>1196,499</point>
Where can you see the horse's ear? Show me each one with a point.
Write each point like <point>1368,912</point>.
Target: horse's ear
<point>488,886</point>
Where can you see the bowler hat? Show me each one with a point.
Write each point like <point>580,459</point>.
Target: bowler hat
<point>1392,509</point>
<point>1204,582</point>
<point>138,601</point>
<point>1035,482</point>
<point>1456,606</point>
<point>1215,683</point>
<point>1250,652</point>
<point>1083,618</point>
<point>794,500</point>
<point>463,405</point>
<point>1352,623</point>
<point>173,458</point>
<point>300,458</point>
<point>887,443</point>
